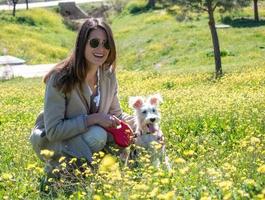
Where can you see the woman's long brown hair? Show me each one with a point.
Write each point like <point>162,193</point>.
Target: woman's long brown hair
<point>72,71</point>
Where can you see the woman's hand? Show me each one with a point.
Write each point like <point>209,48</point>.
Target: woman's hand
<point>104,120</point>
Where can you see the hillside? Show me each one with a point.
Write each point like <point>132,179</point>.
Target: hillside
<point>158,41</point>
<point>37,36</point>
<point>153,40</point>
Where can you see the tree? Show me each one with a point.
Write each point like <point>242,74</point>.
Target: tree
<point>27,4</point>
<point>14,7</point>
<point>210,6</point>
<point>256,10</point>
<point>14,2</point>
<point>255,7</point>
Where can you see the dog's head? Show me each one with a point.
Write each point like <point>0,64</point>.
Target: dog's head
<point>147,113</point>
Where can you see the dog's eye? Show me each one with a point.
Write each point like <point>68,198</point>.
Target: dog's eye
<point>144,111</point>
<point>154,110</point>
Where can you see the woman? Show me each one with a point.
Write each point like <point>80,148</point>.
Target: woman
<point>81,98</point>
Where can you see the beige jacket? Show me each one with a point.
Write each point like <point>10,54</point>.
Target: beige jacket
<point>65,116</point>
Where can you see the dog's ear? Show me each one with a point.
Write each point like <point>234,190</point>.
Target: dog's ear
<point>136,102</point>
<point>155,99</point>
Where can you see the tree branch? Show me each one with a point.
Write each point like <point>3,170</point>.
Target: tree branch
<point>215,6</point>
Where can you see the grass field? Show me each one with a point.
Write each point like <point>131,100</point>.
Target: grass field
<point>37,36</point>
<point>214,132</point>
<point>214,129</point>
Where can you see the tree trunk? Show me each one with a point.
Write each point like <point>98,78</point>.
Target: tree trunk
<point>256,10</point>
<point>27,4</point>
<point>14,8</point>
<point>151,3</point>
<point>215,40</point>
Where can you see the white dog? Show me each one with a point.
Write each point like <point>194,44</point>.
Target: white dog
<point>148,132</point>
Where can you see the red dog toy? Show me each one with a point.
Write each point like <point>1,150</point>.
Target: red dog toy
<point>122,134</point>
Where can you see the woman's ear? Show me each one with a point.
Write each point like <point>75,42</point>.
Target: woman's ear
<point>155,99</point>
<point>136,102</point>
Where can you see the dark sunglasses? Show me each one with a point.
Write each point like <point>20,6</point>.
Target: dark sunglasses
<point>95,42</point>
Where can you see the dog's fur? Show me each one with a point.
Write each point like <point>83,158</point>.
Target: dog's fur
<point>148,132</point>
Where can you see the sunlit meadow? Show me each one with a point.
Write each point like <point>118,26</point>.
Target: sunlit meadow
<point>214,129</point>
<point>214,132</point>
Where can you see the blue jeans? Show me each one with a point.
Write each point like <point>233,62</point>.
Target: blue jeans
<point>96,138</point>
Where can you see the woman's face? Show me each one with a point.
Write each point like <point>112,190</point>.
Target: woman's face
<point>97,48</point>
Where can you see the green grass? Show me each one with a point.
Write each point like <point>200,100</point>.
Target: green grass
<point>214,132</point>
<point>156,41</point>
<point>150,40</point>
<point>37,35</point>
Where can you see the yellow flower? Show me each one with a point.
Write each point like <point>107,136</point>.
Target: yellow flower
<point>141,187</point>
<point>62,159</point>
<point>250,149</point>
<point>47,154</point>
<point>6,176</point>
<point>242,193</point>
<point>50,180</point>
<point>77,172</point>
<point>243,144</point>
<point>39,170</point>
<point>93,162</point>
<point>254,140</point>
<point>169,195</point>
<point>250,182</point>
<point>134,196</point>
<point>228,196</point>
<point>188,153</point>
<point>55,171</point>
<point>110,166</point>
<point>179,161</point>
<point>101,154</point>
<point>31,166</point>
<point>260,196</point>
<point>107,162</point>
<point>63,165</point>
<point>184,170</point>
<point>225,185</point>
<point>153,193</point>
<point>108,195</point>
<point>263,191</point>
<point>73,160</point>
<point>205,196</point>
<point>165,181</point>
<point>261,169</point>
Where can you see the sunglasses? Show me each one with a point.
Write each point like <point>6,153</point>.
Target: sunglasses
<point>95,42</point>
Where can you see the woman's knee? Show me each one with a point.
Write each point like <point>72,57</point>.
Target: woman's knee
<point>96,138</point>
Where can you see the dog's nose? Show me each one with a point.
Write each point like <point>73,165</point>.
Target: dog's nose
<point>152,119</point>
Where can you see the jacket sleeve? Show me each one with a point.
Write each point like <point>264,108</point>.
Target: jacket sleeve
<point>115,108</point>
<point>56,126</point>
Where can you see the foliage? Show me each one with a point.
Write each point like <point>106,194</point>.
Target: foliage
<point>214,131</point>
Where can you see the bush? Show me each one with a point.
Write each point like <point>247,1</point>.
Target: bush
<point>135,7</point>
<point>26,20</point>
